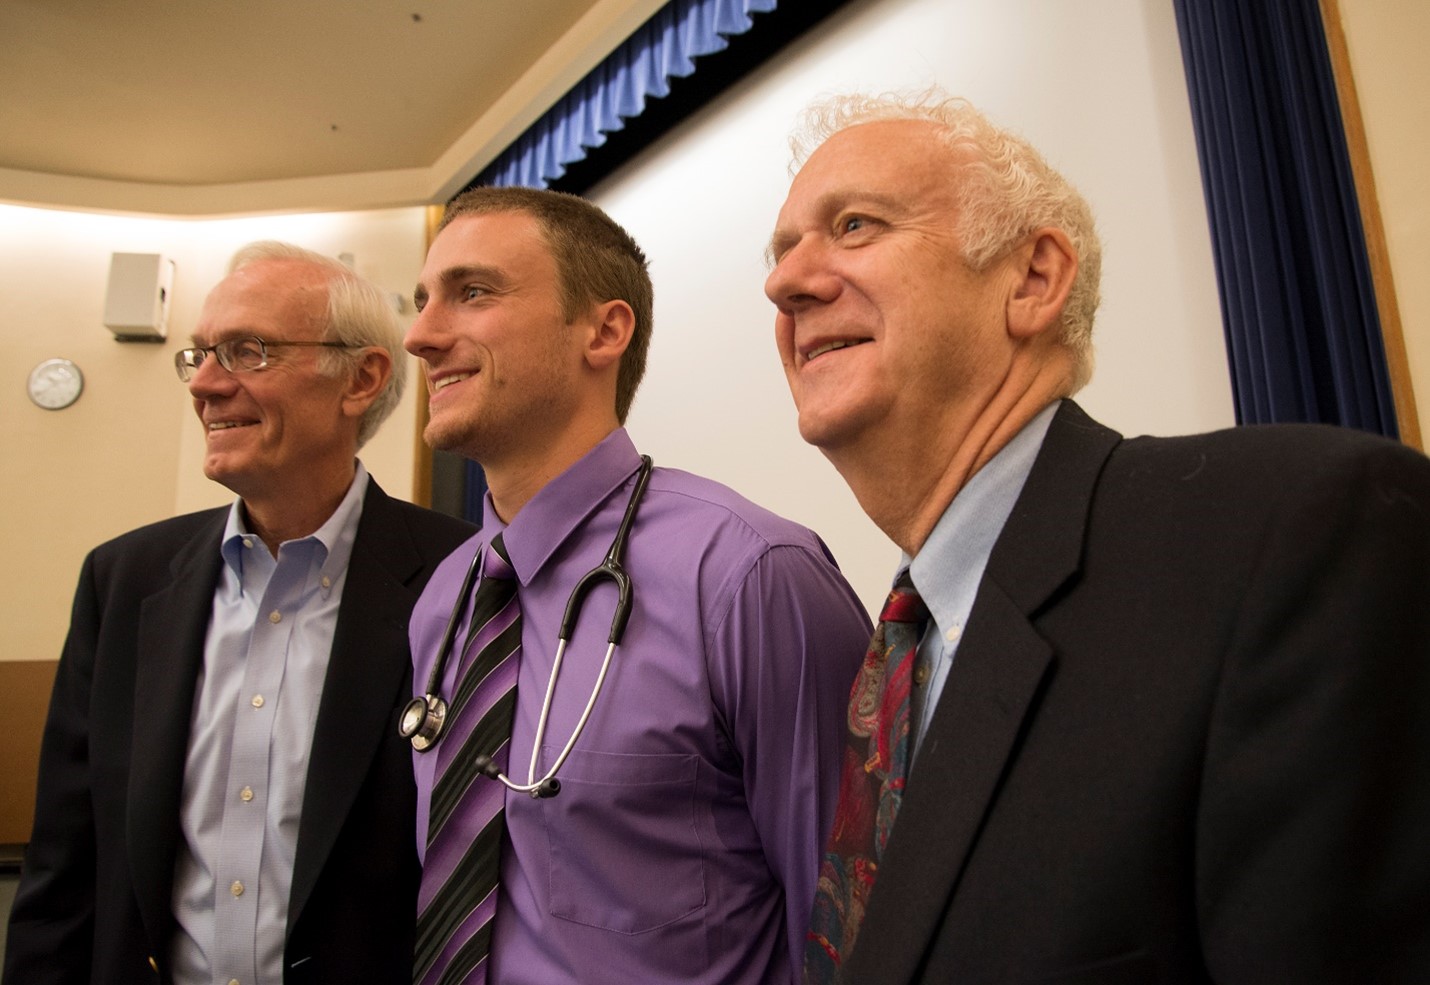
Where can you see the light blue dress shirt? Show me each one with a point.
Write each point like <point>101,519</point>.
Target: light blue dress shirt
<point>948,568</point>
<point>255,706</point>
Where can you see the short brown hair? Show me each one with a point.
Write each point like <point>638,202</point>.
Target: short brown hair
<point>596,261</point>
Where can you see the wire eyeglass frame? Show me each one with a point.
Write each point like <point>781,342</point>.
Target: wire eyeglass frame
<point>239,355</point>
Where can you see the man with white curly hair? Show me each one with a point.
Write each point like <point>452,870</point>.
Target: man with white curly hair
<point>1138,710</point>
<point>223,795</point>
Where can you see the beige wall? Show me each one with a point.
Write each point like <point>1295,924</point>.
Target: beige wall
<point>128,451</point>
<point>1386,41</point>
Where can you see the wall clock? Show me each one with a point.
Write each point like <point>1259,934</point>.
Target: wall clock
<point>55,384</point>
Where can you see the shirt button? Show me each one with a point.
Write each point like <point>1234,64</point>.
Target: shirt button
<point>236,888</point>
<point>233,981</point>
<point>275,616</point>
<point>327,582</point>
<point>248,542</point>
<point>257,701</point>
<point>954,633</point>
<point>246,794</point>
<point>921,674</point>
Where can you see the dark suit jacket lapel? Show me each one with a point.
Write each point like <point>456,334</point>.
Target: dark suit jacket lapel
<point>991,691</point>
<point>367,670</point>
<point>170,652</point>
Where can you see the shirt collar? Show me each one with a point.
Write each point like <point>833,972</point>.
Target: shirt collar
<point>563,505</point>
<point>334,539</point>
<point>950,564</point>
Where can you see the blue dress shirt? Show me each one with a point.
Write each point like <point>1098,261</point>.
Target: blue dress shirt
<point>950,563</point>
<point>265,659</point>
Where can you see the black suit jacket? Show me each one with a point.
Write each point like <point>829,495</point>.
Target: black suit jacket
<point>1186,733</point>
<point>94,897</point>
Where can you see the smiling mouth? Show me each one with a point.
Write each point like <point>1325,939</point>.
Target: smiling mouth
<point>226,425</point>
<point>446,381</point>
<point>818,351</point>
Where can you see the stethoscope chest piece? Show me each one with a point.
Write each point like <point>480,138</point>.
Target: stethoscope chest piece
<point>422,721</point>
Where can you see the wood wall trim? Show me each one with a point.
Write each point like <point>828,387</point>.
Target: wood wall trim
<point>1391,331</point>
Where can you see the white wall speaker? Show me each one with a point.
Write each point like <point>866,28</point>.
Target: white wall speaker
<point>136,308</point>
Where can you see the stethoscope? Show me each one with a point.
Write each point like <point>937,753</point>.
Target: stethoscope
<point>425,716</point>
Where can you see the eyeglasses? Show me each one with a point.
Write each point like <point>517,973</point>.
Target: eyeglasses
<point>238,355</point>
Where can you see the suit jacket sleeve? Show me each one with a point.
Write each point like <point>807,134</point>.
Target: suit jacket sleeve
<point>1311,860</point>
<point>51,923</point>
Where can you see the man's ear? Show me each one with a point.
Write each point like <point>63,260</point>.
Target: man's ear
<point>611,327</point>
<point>1046,265</point>
<point>369,376</point>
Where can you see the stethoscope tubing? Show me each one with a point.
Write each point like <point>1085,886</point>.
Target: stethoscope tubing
<point>424,725</point>
<point>548,786</point>
<point>434,679</point>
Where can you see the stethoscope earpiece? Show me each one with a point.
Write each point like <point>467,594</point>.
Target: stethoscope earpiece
<point>424,717</point>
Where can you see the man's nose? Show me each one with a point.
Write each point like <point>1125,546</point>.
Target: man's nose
<point>426,334</point>
<point>210,377</point>
<point>802,276</point>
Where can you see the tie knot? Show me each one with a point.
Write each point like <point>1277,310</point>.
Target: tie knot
<point>903,603</point>
<point>498,562</point>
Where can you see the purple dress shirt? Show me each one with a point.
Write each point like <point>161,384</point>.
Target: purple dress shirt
<point>685,843</point>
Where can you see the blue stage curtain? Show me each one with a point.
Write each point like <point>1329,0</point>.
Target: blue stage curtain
<point>662,48</point>
<point>1298,304</point>
<point>616,90</point>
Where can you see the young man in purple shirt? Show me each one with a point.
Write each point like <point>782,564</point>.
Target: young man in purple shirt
<point>684,842</point>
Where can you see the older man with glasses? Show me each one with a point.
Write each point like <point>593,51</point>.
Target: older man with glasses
<point>223,795</point>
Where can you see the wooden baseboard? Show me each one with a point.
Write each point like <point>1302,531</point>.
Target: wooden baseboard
<point>24,701</point>
<point>10,858</point>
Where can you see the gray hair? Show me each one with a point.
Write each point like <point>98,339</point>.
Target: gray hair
<point>358,315</point>
<point>1004,192</point>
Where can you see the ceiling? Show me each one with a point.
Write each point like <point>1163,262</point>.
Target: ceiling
<point>176,107</point>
